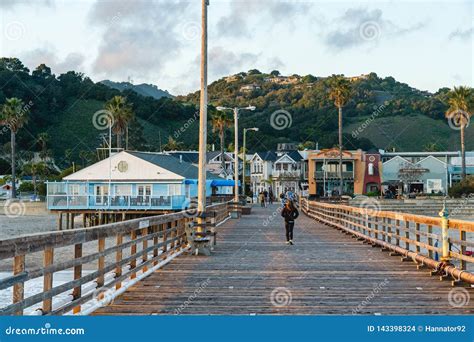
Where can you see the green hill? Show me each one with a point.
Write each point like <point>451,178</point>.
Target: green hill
<point>392,114</point>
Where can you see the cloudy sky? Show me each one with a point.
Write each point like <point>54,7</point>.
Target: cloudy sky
<point>423,43</point>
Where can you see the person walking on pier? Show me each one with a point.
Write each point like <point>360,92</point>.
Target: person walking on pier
<point>261,197</point>
<point>290,214</point>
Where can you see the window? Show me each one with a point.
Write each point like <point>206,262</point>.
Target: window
<point>174,189</point>
<point>101,194</point>
<point>74,189</point>
<point>123,190</point>
<point>144,190</point>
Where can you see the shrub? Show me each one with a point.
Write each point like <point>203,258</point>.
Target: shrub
<point>463,188</point>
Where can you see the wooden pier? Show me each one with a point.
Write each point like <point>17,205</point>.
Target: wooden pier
<point>253,271</point>
<point>345,260</point>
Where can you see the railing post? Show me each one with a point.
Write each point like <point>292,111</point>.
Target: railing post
<point>133,250</point>
<point>430,241</point>
<point>145,246</point>
<point>48,257</point>
<point>155,230</point>
<point>389,230</point>
<point>444,234</point>
<point>101,262</point>
<point>417,238</point>
<point>407,235</point>
<point>18,288</point>
<point>76,292</point>
<point>462,237</point>
<point>165,240</point>
<point>397,231</point>
<point>118,259</point>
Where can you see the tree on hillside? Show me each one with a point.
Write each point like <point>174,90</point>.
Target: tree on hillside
<point>12,64</point>
<point>275,73</point>
<point>339,92</point>
<point>14,115</point>
<point>461,107</point>
<point>122,114</point>
<point>35,170</point>
<point>173,145</point>
<point>42,140</point>
<point>42,71</point>
<point>220,122</point>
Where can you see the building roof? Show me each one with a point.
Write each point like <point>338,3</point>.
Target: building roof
<point>173,164</point>
<point>138,166</point>
<point>268,155</point>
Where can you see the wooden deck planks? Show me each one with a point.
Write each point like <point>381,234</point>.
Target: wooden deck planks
<point>325,272</point>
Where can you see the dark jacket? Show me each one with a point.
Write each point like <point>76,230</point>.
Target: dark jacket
<point>289,214</point>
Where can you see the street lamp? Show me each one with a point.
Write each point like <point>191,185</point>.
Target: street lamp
<point>255,129</point>
<point>236,146</point>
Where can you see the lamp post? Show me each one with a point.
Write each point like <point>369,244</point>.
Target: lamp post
<point>236,146</point>
<point>255,129</point>
<point>201,205</point>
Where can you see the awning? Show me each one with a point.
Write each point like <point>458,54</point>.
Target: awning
<point>190,181</point>
<point>223,182</point>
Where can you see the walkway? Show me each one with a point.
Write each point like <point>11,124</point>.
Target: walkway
<point>252,271</point>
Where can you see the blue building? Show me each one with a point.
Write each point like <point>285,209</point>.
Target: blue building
<point>132,181</point>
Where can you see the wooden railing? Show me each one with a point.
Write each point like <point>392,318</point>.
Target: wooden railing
<point>414,237</point>
<point>119,252</point>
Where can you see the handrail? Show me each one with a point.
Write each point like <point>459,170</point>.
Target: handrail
<point>413,236</point>
<point>139,244</point>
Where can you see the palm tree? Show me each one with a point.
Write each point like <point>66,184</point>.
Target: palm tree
<point>460,101</point>
<point>122,114</point>
<point>35,169</point>
<point>14,115</point>
<point>339,92</point>
<point>42,140</point>
<point>220,121</point>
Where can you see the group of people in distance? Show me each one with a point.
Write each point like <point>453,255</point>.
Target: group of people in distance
<point>289,211</point>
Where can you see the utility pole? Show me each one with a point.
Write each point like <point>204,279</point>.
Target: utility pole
<point>255,129</point>
<point>201,209</point>
<point>236,147</point>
